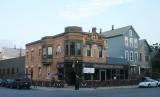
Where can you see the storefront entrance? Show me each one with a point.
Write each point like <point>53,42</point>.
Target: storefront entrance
<point>103,75</point>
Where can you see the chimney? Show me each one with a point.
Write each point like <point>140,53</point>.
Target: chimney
<point>100,30</point>
<point>112,27</point>
<point>94,30</point>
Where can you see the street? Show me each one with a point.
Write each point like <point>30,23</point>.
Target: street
<point>118,92</point>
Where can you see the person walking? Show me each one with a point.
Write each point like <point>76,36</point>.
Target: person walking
<point>77,82</point>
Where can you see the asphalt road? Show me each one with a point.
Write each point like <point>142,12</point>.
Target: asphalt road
<point>119,92</point>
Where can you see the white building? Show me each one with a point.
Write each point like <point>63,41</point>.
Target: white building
<point>8,53</point>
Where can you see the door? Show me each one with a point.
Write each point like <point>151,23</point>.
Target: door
<point>103,75</point>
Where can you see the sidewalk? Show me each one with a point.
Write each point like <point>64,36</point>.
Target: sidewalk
<point>70,88</point>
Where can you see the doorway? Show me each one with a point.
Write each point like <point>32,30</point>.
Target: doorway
<point>103,75</point>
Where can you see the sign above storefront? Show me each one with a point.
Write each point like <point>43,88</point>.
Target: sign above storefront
<point>89,70</point>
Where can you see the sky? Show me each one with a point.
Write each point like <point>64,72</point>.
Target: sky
<point>25,21</point>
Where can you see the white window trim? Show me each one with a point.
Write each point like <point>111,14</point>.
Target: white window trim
<point>126,41</point>
<point>131,56</point>
<point>131,42</point>
<point>136,43</point>
<point>136,56</point>
<point>130,32</point>
<point>126,54</point>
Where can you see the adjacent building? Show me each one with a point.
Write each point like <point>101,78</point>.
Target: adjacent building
<point>8,53</point>
<point>12,68</point>
<point>124,43</point>
<point>145,58</point>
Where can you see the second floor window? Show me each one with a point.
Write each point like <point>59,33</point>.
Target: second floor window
<point>131,56</point>
<point>88,50</point>
<point>126,55</point>
<point>136,56</point>
<point>126,41</point>
<point>32,56</point>
<point>131,42</point>
<point>146,58</point>
<point>78,47</point>
<point>49,50</point>
<point>100,51</point>
<point>140,56</point>
<point>135,43</point>
<point>72,48</point>
<point>44,51</point>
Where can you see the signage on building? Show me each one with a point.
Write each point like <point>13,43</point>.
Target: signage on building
<point>88,70</point>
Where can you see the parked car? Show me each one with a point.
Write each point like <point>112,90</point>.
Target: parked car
<point>9,82</point>
<point>4,83</point>
<point>0,82</point>
<point>149,83</point>
<point>20,83</point>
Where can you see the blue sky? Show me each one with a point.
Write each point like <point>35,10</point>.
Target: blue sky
<point>24,21</point>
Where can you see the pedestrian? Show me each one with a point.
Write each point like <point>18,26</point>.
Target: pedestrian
<point>77,82</point>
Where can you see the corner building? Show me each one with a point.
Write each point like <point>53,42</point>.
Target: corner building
<point>63,56</point>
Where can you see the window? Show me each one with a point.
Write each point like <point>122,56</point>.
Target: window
<point>126,41</point>
<point>49,50</point>
<point>87,76</point>
<point>109,74</point>
<point>100,51</point>
<point>40,51</point>
<point>8,71</point>
<point>106,43</point>
<point>96,75</point>
<point>88,50</point>
<point>126,55</point>
<point>146,58</point>
<point>140,56</point>
<point>131,55</point>
<point>32,56</point>
<point>17,70</point>
<point>78,47</point>
<point>39,71</point>
<point>130,33</point>
<point>13,71</point>
<point>135,43</point>
<point>131,42</point>
<point>66,48</point>
<point>44,51</point>
<point>58,50</point>
<point>4,71</point>
<point>72,48</point>
<point>136,56</point>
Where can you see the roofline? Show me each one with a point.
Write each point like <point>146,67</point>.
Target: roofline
<point>59,35</point>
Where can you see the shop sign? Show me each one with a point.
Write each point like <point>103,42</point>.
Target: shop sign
<point>89,70</point>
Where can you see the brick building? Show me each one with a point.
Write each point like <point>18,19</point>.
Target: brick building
<point>65,55</point>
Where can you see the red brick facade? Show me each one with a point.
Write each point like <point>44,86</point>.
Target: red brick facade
<point>47,57</point>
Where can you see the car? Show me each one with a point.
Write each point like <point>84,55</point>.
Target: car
<point>4,83</point>
<point>149,83</point>
<point>0,82</point>
<point>20,83</point>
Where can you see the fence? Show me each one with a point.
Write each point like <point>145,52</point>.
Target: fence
<point>87,84</point>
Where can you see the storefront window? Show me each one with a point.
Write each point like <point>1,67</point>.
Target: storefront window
<point>96,75</point>
<point>108,74</point>
<point>87,76</point>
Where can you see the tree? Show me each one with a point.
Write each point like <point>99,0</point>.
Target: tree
<point>156,59</point>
